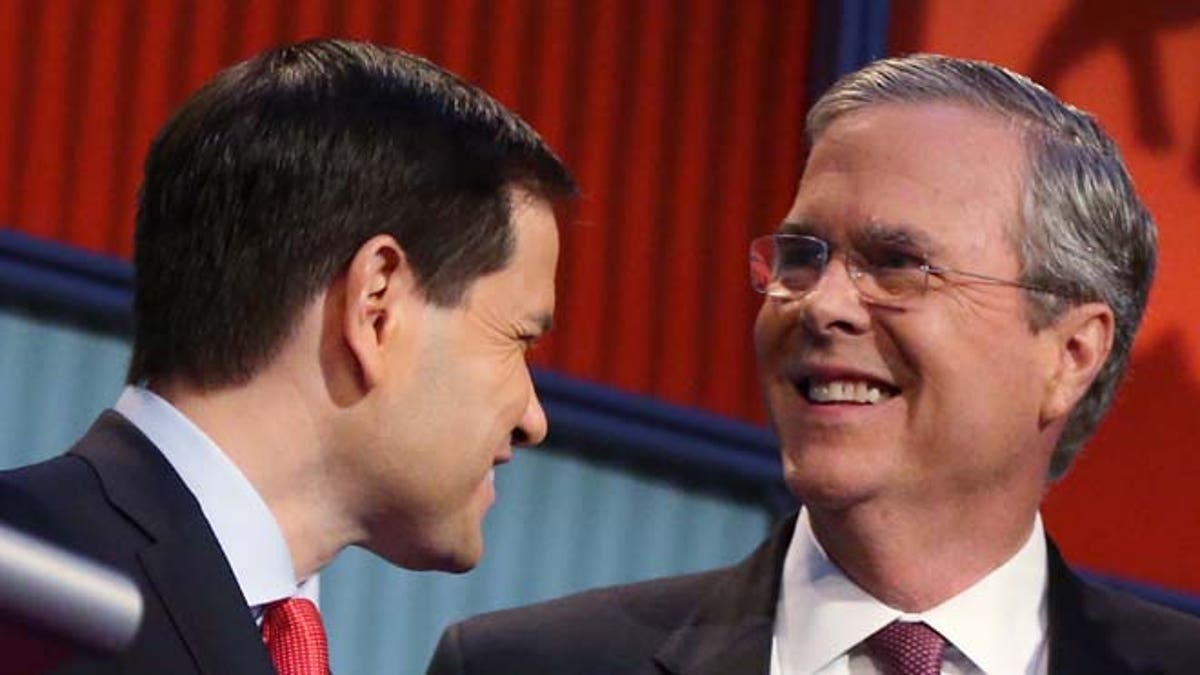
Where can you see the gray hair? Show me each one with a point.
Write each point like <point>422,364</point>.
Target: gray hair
<point>1086,235</point>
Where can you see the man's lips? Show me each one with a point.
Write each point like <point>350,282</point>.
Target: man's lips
<point>842,386</point>
<point>504,456</point>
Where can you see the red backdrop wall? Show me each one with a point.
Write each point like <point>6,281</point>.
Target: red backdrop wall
<point>683,121</point>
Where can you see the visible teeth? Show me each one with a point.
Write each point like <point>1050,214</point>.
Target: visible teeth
<point>844,391</point>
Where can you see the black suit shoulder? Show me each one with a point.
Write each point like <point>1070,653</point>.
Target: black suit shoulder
<point>1096,630</point>
<point>709,623</point>
<point>607,630</point>
<point>62,501</point>
<point>1148,637</point>
<point>115,499</point>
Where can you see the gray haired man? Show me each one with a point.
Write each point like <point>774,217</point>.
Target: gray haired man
<point>949,306</point>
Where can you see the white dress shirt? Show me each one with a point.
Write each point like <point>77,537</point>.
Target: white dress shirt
<point>996,627</point>
<point>245,528</point>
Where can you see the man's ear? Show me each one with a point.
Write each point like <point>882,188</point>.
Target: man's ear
<point>1084,338</point>
<point>379,286</point>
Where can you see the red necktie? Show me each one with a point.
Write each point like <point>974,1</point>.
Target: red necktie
<point>908,648</point>
<point>295,637</point>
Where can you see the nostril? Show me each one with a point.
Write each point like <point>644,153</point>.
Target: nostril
<point>519,436</point>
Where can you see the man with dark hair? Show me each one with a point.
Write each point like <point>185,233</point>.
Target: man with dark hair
<point>343,253</point>
<point>949,307</point>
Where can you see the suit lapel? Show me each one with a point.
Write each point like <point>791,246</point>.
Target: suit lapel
<point>1078,642</point>
<point>183,561</point>
<point>731,630</point>
<point>213,622</point>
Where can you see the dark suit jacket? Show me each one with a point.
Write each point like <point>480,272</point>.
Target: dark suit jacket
<point>721,622</point>
<point>114,498</point>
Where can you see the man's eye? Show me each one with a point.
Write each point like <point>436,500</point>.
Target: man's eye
<point>893,259</point>
<point>797,257</point>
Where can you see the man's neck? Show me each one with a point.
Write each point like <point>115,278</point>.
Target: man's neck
<point>915,557</point>
<point>274,434</point>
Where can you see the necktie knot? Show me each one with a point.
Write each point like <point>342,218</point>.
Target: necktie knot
<point>295,637</point>
<point>908,648</point>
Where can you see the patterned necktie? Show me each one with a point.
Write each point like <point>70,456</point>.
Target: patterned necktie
<point>295,638</point>
<point>908,648</point>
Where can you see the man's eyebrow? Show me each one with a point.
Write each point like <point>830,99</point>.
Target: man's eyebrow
<point>894,234</point>
<point>873,233</point>
<point>795,227</point>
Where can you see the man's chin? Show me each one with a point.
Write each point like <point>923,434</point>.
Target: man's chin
<point>463,559</point>
<point>465,551</point>
<point>830,486</point>
<point>452,552</point>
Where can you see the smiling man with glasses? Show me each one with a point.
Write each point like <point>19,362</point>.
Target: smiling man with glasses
<point>948,309</point>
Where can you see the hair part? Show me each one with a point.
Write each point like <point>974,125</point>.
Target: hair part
<point>262,187</point>
<point>1084,232</point>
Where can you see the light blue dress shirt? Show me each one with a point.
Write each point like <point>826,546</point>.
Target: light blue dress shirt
<point>245,528</point>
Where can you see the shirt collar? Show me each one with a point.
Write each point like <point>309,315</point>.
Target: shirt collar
<point>999,623</point>
<point>244,526</point>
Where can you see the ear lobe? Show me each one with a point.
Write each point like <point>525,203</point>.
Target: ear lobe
<point>378,281</point>
<point>1085,336</point>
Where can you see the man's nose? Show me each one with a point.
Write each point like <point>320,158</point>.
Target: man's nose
<point>533,426</point>
<point>835,302</point>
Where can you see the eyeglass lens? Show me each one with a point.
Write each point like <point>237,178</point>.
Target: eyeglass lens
<point>788,264</point>
<point>782,265</point>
